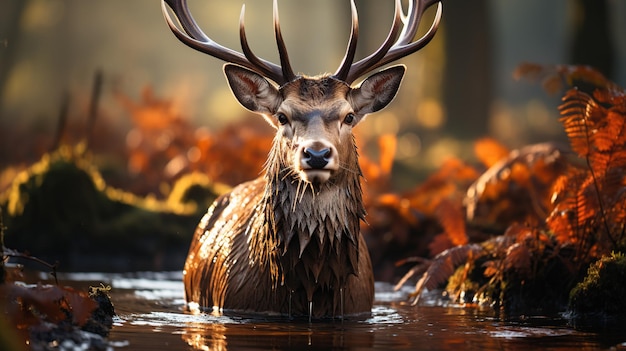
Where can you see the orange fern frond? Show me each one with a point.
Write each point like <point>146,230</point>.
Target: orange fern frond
<point>517,188</point>
<point>618,214</point>
<point>574,113</point>
<point>588,202</point>
<point>560,188</point>
<point>616,122</point>
<point>560,222</point>
<point>595,125</point>
<point>449,182</point>
<point>452,218</point>
<point>613,181</point>
<point>563,220</point>
<point>518,258</point>
<point>611,95</point>
<point>603,139</point>
<point>440,268</point>
<point>489,151</point>
<point>440,243</point>
<point>599,163</point>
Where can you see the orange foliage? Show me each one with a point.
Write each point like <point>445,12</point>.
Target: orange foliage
<point>449,182</point>
<point>234,154</point>
<point>377,172</point>
<point>421,222</point>
<point>516,189</point>
<point>589,202</point>
<point>489,151</point>
<point>555,78</point>
<point>163,145</point>
<point>451,217</point>
<point>556,214</point>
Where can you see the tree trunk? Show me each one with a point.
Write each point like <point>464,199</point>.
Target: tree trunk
<point>592,41</point>
<point>467,83</point>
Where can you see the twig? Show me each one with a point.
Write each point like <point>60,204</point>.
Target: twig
<point>16,254</point>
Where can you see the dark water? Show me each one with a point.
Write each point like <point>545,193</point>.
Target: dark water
<point>151,317</point>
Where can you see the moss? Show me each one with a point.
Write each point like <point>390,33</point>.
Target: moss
<point>465,283</point>
<point>493,278</point>
<point>600,296</point>
<point>195,189</point>
<point>101,319</point>
<point>545,292</point>
<point>60,209</point>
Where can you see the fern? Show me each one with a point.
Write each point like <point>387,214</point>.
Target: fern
<point>595,126</point>
<point>580,218</point>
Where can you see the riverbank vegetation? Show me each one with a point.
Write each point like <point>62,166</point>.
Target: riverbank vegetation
<point>554,216</point>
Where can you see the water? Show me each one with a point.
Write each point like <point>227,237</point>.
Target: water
<point>151,317</point>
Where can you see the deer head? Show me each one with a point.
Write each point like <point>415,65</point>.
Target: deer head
<point>314,116</point>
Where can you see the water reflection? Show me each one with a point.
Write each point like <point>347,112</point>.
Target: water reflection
<point>396,326</point>
<point>151,317</point>
<point>274,336</point>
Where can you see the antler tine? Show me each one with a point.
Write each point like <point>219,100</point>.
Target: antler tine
<point>195,38</point>
<point>406,47</point>
<point>364,65</point>
<point>410,27</point>
<point>282,49</point>
<point>184,18</point>
<point>268,69</point>
<point>404,44</point>
<point>344,68</point>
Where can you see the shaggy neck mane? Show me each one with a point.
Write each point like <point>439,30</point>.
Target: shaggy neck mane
<point>313,229</point>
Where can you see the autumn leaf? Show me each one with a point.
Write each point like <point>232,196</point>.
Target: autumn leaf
<point>489,151</point>
<point>31,305</point>
<point>452,219</point>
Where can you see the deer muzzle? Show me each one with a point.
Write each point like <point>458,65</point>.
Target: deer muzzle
<point>317,161</point>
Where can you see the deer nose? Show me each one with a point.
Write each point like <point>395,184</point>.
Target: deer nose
<point>317,159</point>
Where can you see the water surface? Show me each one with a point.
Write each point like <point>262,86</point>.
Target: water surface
<point>151,317</point>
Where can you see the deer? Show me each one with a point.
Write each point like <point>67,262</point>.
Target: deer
<point>289,242</point>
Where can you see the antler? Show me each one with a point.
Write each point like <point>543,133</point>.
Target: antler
<point>397,44</point>
<point>194,37</point>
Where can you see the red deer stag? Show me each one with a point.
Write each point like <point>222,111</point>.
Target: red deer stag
<point>289,242</point>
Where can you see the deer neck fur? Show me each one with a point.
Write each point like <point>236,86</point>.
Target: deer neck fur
<point>314,228</point>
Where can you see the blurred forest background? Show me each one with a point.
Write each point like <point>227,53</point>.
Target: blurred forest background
<point>54,54</point>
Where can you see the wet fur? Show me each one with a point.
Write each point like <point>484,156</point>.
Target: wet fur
<point>288,244</point>
<point>279,244</point>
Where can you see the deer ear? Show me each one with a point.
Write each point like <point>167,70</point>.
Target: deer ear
<point>377,91</point>
<point>252,90</point>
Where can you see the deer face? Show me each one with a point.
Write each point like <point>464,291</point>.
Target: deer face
<point>314,116</point>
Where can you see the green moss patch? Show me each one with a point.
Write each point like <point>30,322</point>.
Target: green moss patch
<point>60,209</point>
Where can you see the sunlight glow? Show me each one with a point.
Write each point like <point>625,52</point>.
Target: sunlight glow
<point>221,106</point>
<point>430,114</point>
<point>409,145</point>
<point>385,123</point>
<point>442,150</point>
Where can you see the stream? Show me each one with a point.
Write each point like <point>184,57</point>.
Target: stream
<point>151,316</point>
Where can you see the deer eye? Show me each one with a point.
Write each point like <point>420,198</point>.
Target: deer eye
<point>349,119</point>
<point>282,118</point>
